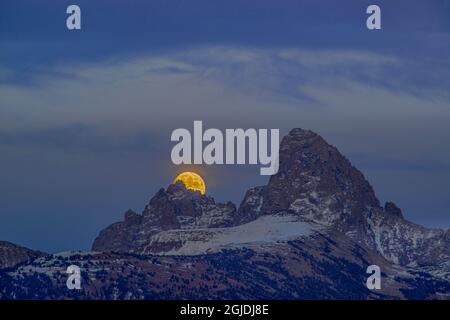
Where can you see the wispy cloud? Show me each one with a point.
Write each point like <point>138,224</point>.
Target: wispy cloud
<point>121,97</point>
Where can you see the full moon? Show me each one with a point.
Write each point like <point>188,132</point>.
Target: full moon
<point>192,181</point>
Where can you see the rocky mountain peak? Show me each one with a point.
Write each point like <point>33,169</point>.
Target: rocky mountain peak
<point>178,207</point>
<point>179,190</point>
<point>314,174</point>
<point>318,183</point>
<point>391,209</point>
<point>169,209</point>
<point>303,134</point>
<point>315,183</point>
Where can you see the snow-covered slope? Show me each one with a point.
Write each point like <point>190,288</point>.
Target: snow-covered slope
<point>262,231</point>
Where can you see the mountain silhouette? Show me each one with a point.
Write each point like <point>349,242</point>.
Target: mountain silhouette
<point>310,233</point>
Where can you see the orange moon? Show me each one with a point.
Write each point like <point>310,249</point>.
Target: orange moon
<point>192,181</point>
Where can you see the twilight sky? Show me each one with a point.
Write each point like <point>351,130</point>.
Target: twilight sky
<point>86,116</point>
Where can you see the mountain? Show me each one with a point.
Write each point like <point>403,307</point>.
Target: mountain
<point>310,233</point>
<point>12,255</point>
<point>320,184</point>
<point>315,182</point>
<point>317,266</point>
<point>173,209</point>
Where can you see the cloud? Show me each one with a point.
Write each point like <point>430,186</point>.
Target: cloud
<point>336,92</point>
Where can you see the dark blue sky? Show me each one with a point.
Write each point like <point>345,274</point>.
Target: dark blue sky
<point>86,116</point>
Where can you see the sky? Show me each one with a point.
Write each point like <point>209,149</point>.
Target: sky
<point>86,115</point>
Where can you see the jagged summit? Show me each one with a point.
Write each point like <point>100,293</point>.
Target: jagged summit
<point>169,209</point>
<point>180,189</point>
<point>318,183</point>
<point>302,133</point>
<point>309,164</point>
<point>392,209</point>
<point>315,183</point>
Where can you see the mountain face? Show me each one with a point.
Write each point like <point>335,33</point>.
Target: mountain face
<point>12,255</point>
<point>315,182</point>
<point>318,183</point>
<point>173,209</point>
<point>311,232</point>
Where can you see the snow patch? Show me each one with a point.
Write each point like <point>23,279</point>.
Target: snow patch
<point>264,230</point>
